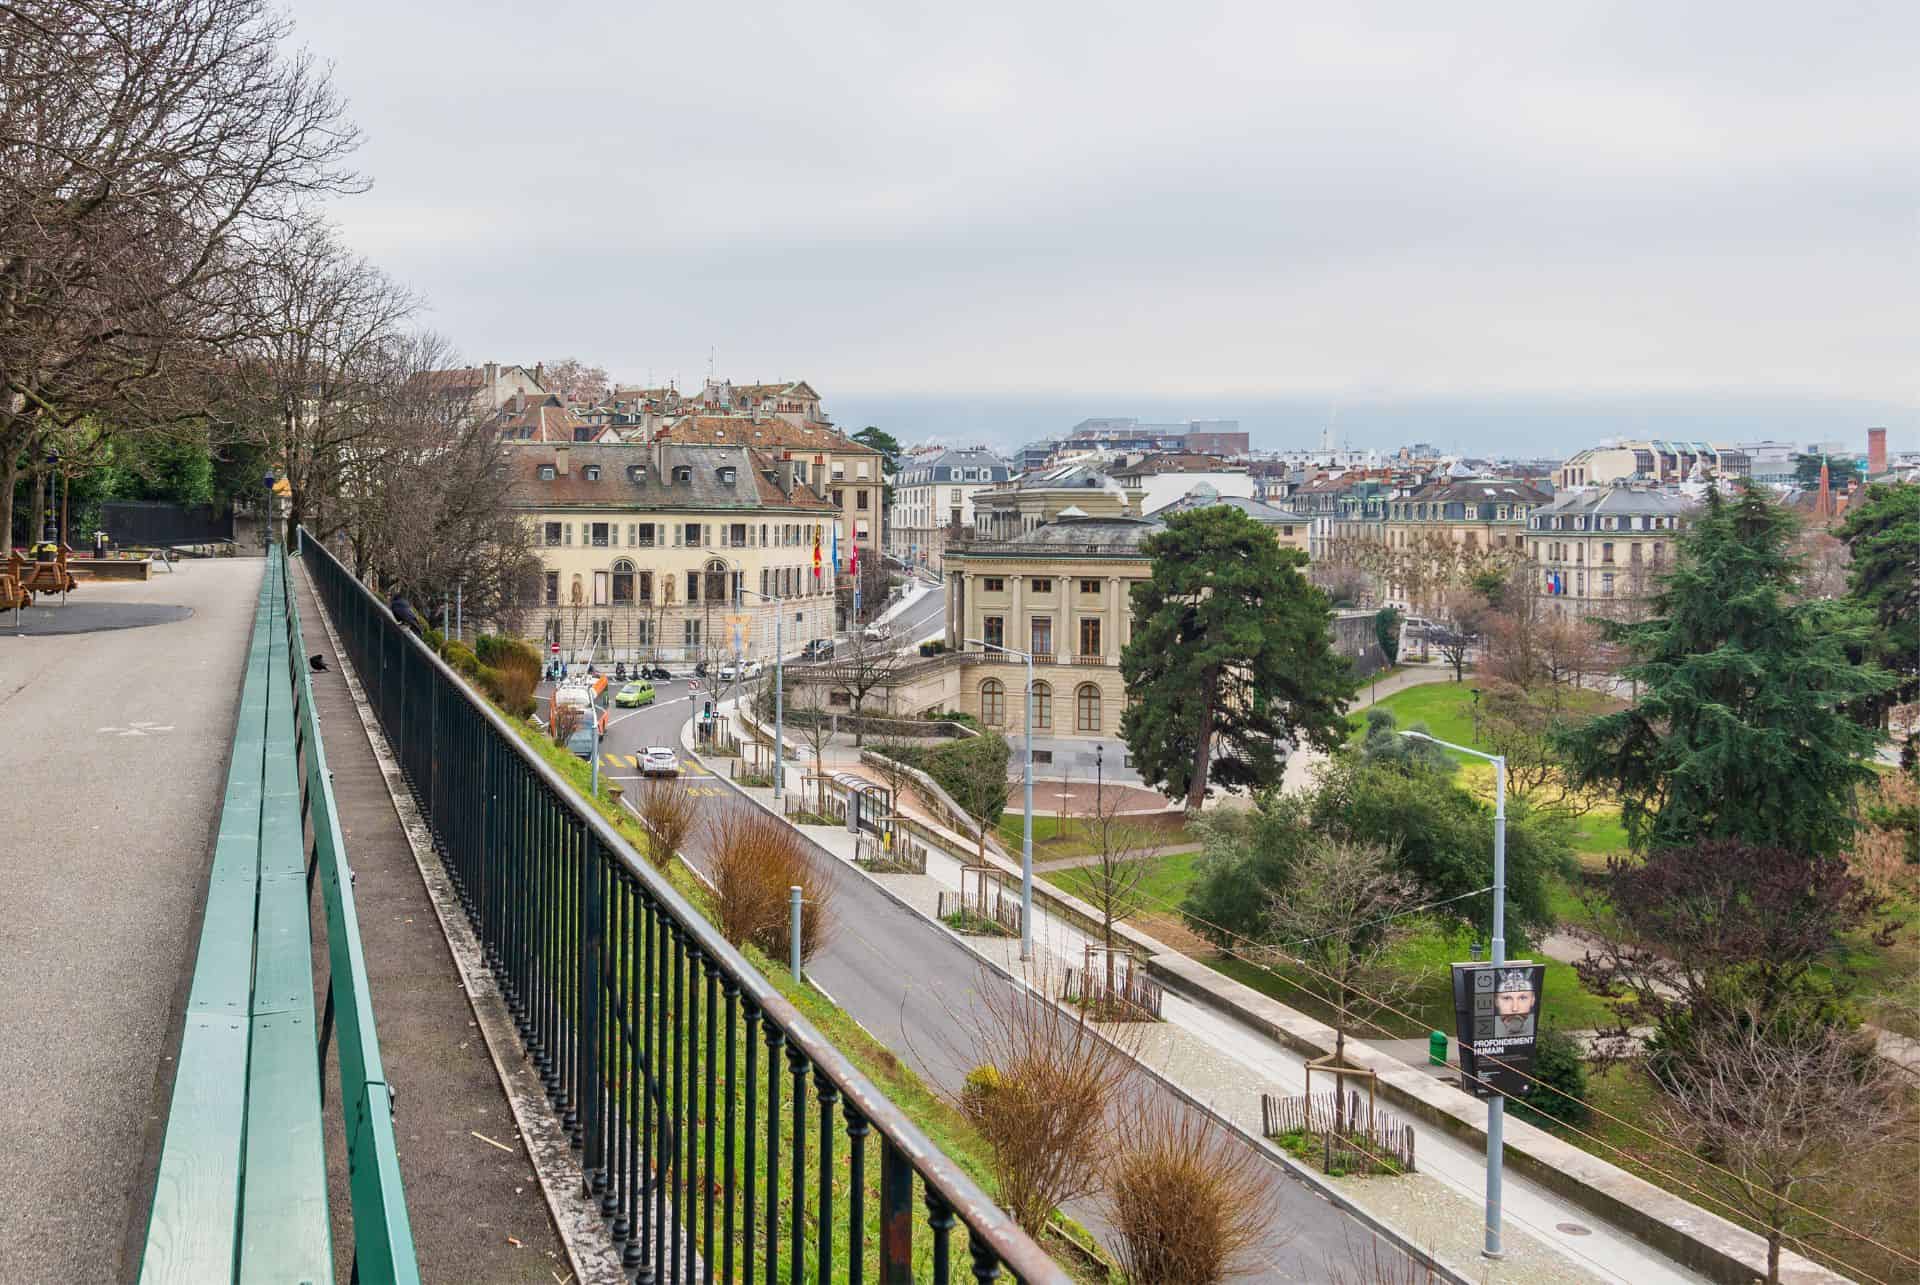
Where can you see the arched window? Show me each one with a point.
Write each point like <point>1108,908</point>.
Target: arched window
<point>993,703</point>
<point>622,580</point>
<point>1042,707</point>
<point>715,589</point>
<point>1087,708</point>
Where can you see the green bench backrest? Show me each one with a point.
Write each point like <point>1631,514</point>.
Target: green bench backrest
<point>241,1193</point>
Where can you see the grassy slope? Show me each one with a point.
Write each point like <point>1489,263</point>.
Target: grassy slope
<point>943,1124</point>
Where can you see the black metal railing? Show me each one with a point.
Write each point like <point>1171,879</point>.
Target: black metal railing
<point>662,1049</point>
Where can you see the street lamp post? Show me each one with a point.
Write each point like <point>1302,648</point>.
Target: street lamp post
<point>1026,837</point>
<point>779,690</point>
<point>1496,1104</point>
<point>1099,781</point>
<point>266,511</point>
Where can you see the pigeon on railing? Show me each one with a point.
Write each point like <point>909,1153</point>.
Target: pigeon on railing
<point>317,663</point>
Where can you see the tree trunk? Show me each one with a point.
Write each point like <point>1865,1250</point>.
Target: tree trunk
<point>9,476</point>
<point>1340,1060</point>
<point>1203,749</point>
<point>37,519</point>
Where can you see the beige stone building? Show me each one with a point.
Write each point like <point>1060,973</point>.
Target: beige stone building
<point>643,550</point>
<point>1062,591</point>
<point>1650,461</point>
<point>1434,536</point>
<point>1598,551</point>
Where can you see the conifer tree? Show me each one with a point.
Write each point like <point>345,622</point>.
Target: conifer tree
<point>1740,730</point>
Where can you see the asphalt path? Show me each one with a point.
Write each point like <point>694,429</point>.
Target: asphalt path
<point>918,990</point>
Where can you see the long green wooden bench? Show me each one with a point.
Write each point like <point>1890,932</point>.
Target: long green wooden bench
<point>241,1193</point>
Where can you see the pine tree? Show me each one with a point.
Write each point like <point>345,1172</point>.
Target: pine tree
<point>1883,537</point>
<point>1740,730</point>
<point>1230,658</point>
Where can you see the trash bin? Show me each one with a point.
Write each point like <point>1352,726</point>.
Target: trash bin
<point>1437,1048</point>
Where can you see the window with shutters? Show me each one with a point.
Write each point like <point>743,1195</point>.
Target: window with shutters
<point>552,533</point>
<point>693,586</point>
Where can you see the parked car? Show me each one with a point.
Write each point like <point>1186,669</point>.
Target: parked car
<point>658,760</point>
<point>877,633</point>
<point>818,649</point>
<point>634,695</point>
<point>753,670</point>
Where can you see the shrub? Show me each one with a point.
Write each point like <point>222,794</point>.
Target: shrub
<point>666,814</point>
<point>1185,1202</point>
<point>974,772</point>
<point>756,858</point>
<point>1557,1064</point>
<point>935,647</point>
<point>976,1093</point>
<point>1044,1096</point>
<point>951,716</point>
<point>434,638</point>
<point>461,657</point>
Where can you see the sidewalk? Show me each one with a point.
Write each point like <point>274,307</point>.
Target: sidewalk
<point>114,753</point>
<point>1218,1061</point>
<point>469,1201</point>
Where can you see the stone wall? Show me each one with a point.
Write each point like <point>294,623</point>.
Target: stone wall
<point>1354,638</point>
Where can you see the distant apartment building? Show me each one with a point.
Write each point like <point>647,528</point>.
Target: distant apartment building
<point>933,502</point>
<point>1598,551</point>
<point>1656,461</point>
<point>489,386</point>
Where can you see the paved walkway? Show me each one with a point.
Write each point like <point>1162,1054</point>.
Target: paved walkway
<point>1228,1065</point>
<point>113,747</point>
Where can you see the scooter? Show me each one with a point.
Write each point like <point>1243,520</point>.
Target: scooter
<point>620,671</point>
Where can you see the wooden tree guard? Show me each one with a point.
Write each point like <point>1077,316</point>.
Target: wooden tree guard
<point>1341,1074</point>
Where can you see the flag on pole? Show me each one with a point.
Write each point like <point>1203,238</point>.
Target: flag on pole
<point>836,548</point>
<point>854,567</point>
<point>816,553</point>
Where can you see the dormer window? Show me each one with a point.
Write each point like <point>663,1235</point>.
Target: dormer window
<point>546,473</point>
<point>593,472</point>
<point>636,473</point>
<point>726,476</point>
<point>683,473</point>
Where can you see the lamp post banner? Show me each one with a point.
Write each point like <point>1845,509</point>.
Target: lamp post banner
<point>1496,1008</point>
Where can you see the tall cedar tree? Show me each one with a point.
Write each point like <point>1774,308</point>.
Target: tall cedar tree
<point>1883,536</point>
<point>1230,657</point>
<point>1739,731</point>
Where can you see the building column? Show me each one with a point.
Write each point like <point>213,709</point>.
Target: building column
<point>1117,620</point>
<point>1019,634</point>
<point>956,609</point>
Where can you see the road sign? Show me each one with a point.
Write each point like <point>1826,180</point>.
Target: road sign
<point>553,649</point>
<point>1496,1010</point>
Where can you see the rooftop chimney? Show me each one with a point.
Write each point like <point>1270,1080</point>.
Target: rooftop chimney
<point>493,383</point>
<point>1876,451</point>
<point>560,461</point>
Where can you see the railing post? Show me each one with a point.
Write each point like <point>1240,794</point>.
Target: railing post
<point>896,1215</point>
<point>593,1162</point>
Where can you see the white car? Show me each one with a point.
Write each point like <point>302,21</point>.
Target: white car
<point>658,760</point>
<point>754,669</point>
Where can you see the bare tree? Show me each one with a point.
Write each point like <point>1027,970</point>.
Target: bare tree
<point>1519,723</point>
<point>859,667</point>
<point>756,860</point>
<point>151,154</point>
<point>574,381</point>
<point>666,814</point>
<point>1187,1202</point>
<point>1784,1112</point>
<point>309,389</point>
<point>567,719</point>
<point>1342,909</point>
<point>428,494</point>
<point>1043,1093</point>
<point>1112,879</point>
<point>1457,622</point>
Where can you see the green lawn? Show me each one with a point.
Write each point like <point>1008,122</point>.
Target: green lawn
<point>1444,707</point>
<point>1162,888</point>
<point>1056,837</point>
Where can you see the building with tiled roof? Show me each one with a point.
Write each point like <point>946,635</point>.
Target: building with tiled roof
<point>644,550</point>
<point>542,417</point>
<point>489,385</point>
<point>849,473</point>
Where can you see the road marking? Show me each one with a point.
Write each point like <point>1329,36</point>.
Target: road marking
<point>142,728</point>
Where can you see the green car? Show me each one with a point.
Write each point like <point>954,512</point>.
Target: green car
<point>634,695</point>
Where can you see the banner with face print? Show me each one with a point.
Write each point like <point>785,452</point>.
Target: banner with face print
<point>1497,1011</point>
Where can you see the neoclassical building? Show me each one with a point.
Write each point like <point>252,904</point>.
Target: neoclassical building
<point>643,550</point>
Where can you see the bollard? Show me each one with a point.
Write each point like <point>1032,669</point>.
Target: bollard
<point>613,794</point>
<point>1437,1049</point>
<point>793,933</point>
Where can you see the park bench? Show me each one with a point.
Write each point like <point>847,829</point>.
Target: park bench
<point>13,594</point>
<point>51,576</point>
<point>241,1192</point>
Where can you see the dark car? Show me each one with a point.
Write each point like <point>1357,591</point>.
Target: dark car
<point>818,649</point>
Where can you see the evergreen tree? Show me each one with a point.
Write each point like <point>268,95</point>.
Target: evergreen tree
<point>1883,537</point>
<point>1740,730</point>
<point>1231,658</point>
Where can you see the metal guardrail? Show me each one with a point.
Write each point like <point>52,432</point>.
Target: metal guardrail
<point>661,1047</point>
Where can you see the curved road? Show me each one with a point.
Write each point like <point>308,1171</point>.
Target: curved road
<point>913,986</point>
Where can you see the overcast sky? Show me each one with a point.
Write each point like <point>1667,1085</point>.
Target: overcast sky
<point>1493,205</point>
